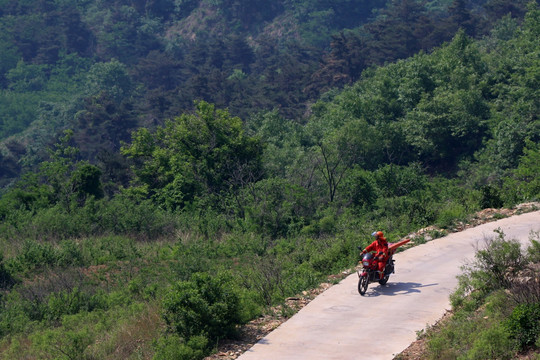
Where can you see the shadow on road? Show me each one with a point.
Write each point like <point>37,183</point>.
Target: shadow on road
<point>393,289</point>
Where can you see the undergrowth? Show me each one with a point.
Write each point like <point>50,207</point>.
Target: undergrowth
<point>496,307</point>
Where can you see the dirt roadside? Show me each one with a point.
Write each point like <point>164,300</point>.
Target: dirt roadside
<point>260,327</point>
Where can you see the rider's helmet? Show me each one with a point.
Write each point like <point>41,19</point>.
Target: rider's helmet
<point>378,235</point>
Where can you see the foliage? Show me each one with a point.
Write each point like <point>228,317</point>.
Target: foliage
<point>533,251</point>
<point>524,324</point>
<point>492,343</point>
<point>523,184</point>
<point>450,213</point>
<point>278,189</point>
<point>193,155</point>
<point>490,198</point>
<point>172,347</point>
<point>489,270</point>
<point>6,279</point>
<point>276,207</point>
<point>62,345</point>
<point>492,319</point>
<point>207,306</point>
<point>111,77</point>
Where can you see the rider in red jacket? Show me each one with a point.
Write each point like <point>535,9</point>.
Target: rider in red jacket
<point>380,248</point>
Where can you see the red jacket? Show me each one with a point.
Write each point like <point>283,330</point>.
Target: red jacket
<point>378,246</point>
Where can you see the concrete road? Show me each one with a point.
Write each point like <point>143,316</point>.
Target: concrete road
<point>341,324</point>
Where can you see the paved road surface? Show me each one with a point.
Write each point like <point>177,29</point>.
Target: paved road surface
<point>340,324</point>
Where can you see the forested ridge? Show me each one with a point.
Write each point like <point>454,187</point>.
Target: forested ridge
<point>170,169</point>
<point>63,62</point>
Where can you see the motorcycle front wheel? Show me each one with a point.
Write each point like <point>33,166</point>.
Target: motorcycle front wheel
<point>363,284</point>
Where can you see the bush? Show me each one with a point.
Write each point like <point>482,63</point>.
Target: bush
<point>453,339</point>
<point>14,317</point>
<point>359,187</point>
<point>57,223</point>
<point>527,291</point>
<point>490,198</point>
<point>450,214</point>
<point>6,280</point>
<point>125,216</point>
<point>69,253</point>
<point>494,267</point>
<point>524,324</point>
<point>533,251</point>
<point>275,206</point>
<point>172,347</point>
<point>397,181</point>
<point>265,276</point>
<point>71,302</point>
<point>204,306</point>
<point>32,255</point>
<point>492,343</point>
<point>500,261</point>
<point>110,249</point>
<point>61,343</point>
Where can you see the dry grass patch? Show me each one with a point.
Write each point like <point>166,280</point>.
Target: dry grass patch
<point>131,338</point>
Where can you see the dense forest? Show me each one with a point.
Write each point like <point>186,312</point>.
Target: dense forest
<point>171,169</point>
<point>63,62</point>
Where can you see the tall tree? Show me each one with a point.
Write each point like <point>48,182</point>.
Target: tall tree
<point>194,156</point>
<point>342,66</point>
<point>398,32</point>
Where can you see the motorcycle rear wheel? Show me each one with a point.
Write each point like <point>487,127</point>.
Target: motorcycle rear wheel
<point>384,280</point>
<point>363,284</point>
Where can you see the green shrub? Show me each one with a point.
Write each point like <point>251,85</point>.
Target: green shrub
<point>125,216</point>
<point>450,214</point>
<point>533,251</point>
<point>192,258</point>
<point>492,343</point>
<point>204,306</point>
<point>14,317</point>
<point>32,255</point>
<point>524,324</point>
<point>494,261</point>
<point>61,343</point>
<point>275,206</point>
<point>172,347</point>
<point>333,254</point>
<point>524,183</point>
<point>298,278</point>
<point>6,279</point>
<point>452,340</point>
<point>396,181</point>
<point>437,348</point>
<point>56,223</point>
<point>490,198</point>
<point>71,302</point>
<point>359,187</point>
<point>265,275</point>
<point>489,271</point>
<point>327,224</point>
<point>112,248</point>
<point>69,253</point>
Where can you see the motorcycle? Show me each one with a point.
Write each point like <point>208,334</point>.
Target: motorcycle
<point>369,272</point>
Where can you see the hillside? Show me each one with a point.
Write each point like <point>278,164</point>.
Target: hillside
<point>165,181</point>
<point>147,61</point>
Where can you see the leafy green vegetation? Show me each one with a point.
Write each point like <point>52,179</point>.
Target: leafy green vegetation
<point>165,181</point>
<point>493,318</point>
